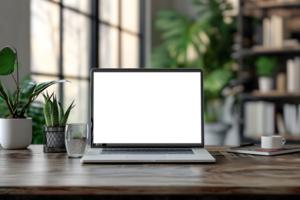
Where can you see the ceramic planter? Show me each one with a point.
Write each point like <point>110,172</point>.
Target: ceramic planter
<point>54,139</point>
<point>15,133</point>
<point>265,83</point>
<point>215,132</point>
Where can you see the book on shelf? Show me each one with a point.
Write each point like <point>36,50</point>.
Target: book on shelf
<point>281,129</point>
<point>263,119</point>
<point>293,75</point>
<point>259,119</point>
<point>273,31</point>
<point>281,82</point>
<point>291,115</point>
<point>266,32</point>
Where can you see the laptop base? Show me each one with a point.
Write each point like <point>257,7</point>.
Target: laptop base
<point>200,156</point>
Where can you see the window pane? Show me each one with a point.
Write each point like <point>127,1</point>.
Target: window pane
<point>109,11</point>
<point>109,41</point>
<point>77,90</point>
<point>81,5</point>
<point>54,88</point>
<point>76,46</point>
<point>130,50</point>
<point>130,15</point>
<point>44,37</point>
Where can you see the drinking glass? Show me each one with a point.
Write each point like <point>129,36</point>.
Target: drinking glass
<point>75,139</point>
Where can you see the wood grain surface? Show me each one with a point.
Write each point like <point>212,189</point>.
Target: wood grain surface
<point>31,171</point>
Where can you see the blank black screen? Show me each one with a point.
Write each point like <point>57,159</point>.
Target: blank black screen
<point>147,107</point>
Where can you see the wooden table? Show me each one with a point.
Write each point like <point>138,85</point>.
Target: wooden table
<point>33,172</point>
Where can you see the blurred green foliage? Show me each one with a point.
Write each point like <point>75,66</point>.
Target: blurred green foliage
<point>265,65</point>
<point>204,43</point>
<point>34,111</point>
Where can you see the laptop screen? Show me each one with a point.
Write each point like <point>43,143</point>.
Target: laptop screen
<point>147,107</point>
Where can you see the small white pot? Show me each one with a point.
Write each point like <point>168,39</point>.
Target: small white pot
<point>215,132</point>
<point>15,133</point>
<point>265,84</point>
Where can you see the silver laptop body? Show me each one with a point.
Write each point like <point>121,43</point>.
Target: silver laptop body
<point>147,116</point>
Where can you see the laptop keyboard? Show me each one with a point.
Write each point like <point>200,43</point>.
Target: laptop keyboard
<point>146,151</point>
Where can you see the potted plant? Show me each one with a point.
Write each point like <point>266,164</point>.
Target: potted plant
<point>265,67</point>
<point>56,119</point>
<point>215,128</point>
<point>16,130</point>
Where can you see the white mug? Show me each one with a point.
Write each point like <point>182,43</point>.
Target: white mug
<point>272,142</point>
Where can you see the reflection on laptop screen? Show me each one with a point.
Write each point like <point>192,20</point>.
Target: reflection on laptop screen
<point>147,107</point>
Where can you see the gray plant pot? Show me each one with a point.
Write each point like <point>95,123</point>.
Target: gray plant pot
<point>215,132</point>
<point>54,139</point>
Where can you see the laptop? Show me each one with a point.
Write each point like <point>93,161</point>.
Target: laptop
<point>147,116</point>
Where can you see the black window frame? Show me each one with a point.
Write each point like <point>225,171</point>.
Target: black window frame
<point>94,60</point>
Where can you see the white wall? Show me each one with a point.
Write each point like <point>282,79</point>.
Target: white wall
<point>15,31</point>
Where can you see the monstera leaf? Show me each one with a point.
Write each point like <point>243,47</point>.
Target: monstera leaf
<point>215,82</point>
<point>7,61</point>
<point>180,34</point>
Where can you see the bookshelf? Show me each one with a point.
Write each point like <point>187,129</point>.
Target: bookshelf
<point>276,94</point>
<point>250,49</point>
<point>275,4</point>
<point>262,49</point>
<point>290,139</point>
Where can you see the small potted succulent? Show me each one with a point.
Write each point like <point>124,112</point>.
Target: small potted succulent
<point>16,129</point>
<point>265,67</point>
<point>56,119</point>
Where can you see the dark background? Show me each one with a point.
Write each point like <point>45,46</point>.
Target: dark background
<point>140,107</point>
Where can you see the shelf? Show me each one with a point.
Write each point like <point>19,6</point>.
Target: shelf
<point>260,8</point>
<point>261,50</point>
<point>286,136</point>
<point>275,93</point>
<point>275,4</point>
<point>256,96</point>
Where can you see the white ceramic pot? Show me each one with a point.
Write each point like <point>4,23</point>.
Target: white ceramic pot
<point>215,132</point>
<point>265,84</point>
<point>15,133</point>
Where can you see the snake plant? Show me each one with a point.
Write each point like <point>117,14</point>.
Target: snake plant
<point>30,91</point>
<point>54,112</point>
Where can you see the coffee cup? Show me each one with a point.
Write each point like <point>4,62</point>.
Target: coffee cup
<point>272,142</point>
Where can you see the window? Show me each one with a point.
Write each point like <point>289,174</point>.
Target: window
<point>69,37</point>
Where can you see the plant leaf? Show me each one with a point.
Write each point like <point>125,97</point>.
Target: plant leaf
<point>61,111</point>
<point>28,88</point>
<point>16,102</point>
<point>47,111</point>
<point>7,61</point>
<point>54,113</point>
<point>66,115</point>
<point>41,87</point>
<point>2,92</point>
<point>11,102</point>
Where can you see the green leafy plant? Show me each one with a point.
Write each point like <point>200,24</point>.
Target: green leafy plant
<point>190,43</point>
<point>34,110</point>
<point>198,43</point>
<point>265,66</point>
<point>30,91</point>
<point>54,112</point>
